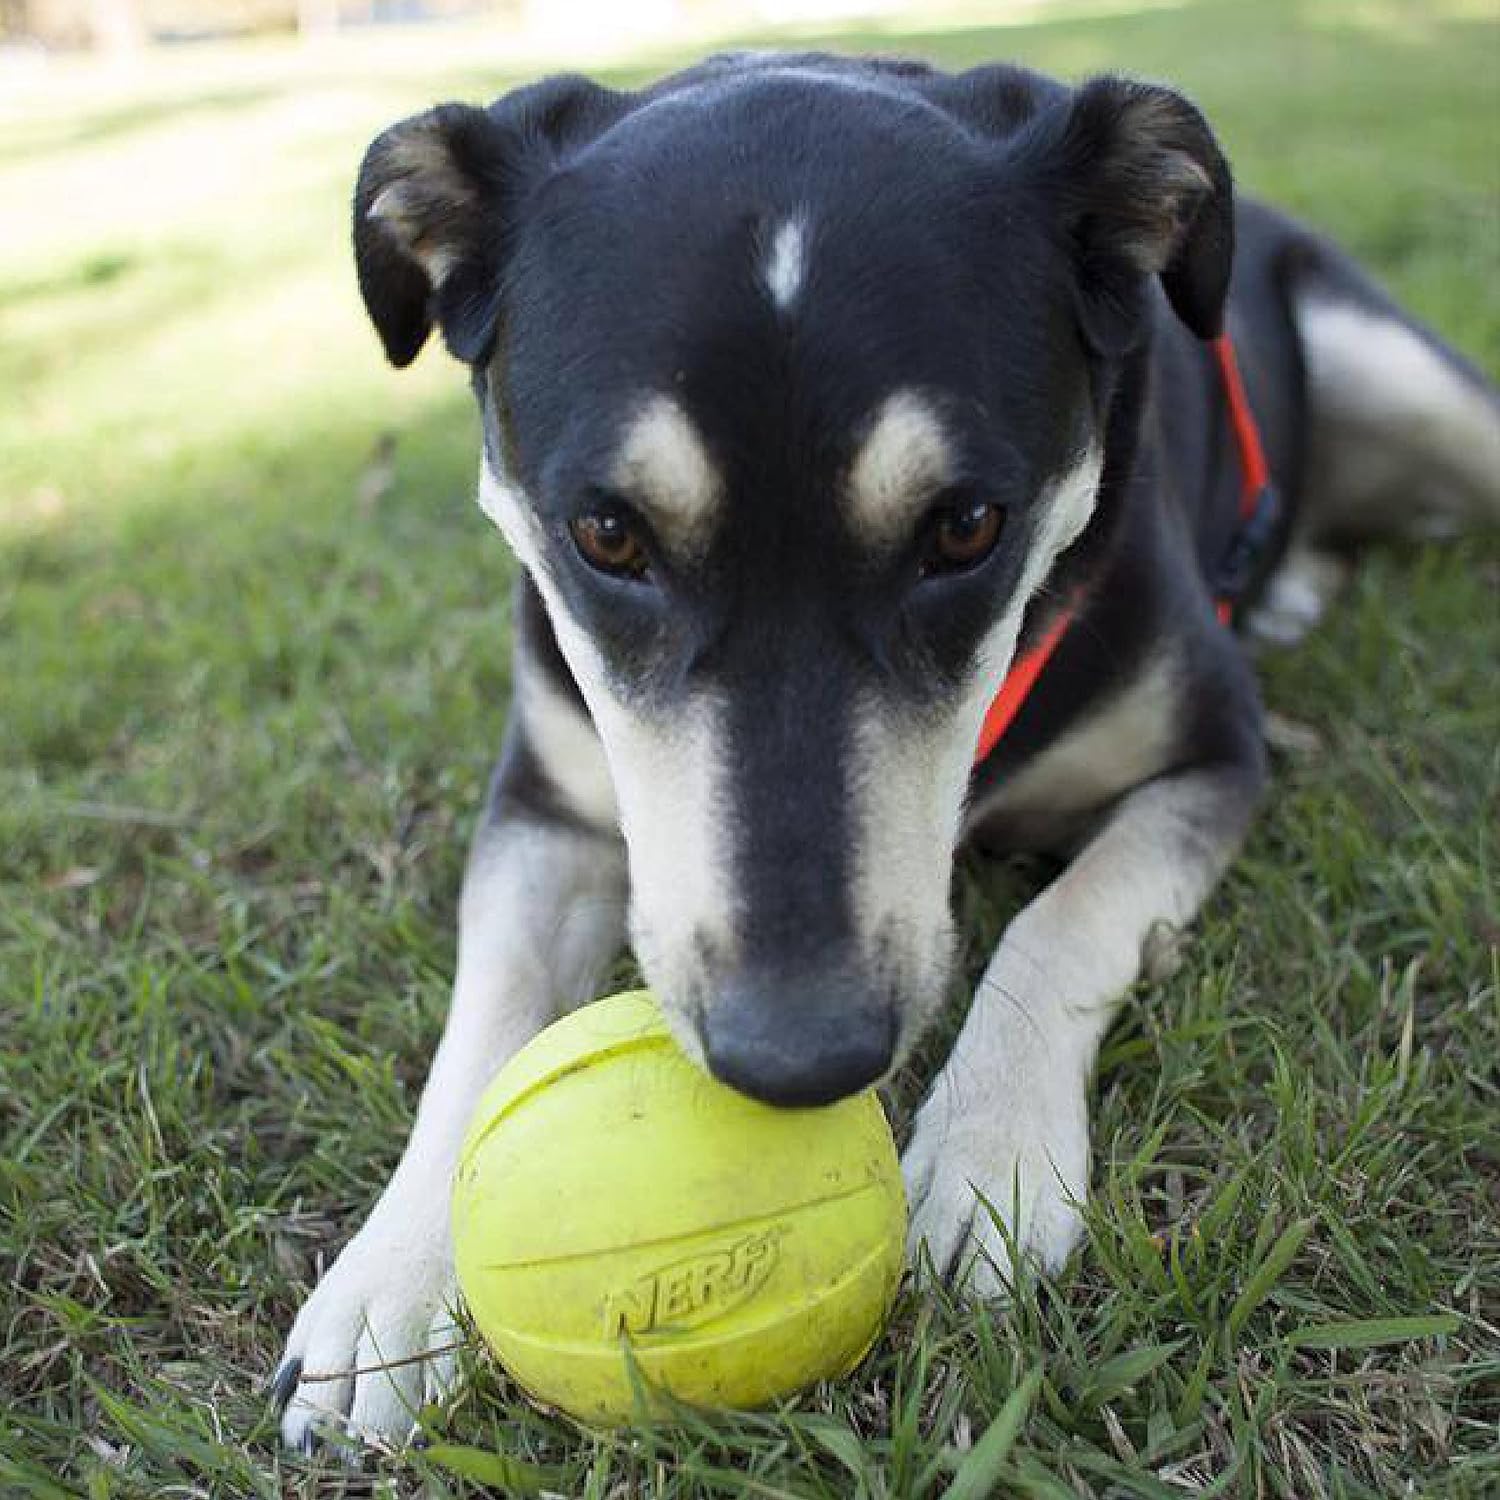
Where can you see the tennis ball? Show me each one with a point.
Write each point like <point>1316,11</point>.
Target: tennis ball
<point>612,1197</point>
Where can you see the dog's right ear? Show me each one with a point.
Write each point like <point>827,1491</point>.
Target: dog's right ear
<point>437,202</point>
<point>1136,180</point>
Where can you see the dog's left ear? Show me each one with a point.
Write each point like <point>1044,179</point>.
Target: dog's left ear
<point>437,203</point>
<point>1141,188</point>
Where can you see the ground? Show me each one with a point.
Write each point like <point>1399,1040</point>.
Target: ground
<point>253,634</point>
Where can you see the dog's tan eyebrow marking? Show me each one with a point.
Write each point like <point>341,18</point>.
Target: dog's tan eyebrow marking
<point>664,467</point>
<point>904,458</point>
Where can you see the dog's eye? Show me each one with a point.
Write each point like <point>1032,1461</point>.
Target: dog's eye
<point>963,535</point>
<point>607,540</point>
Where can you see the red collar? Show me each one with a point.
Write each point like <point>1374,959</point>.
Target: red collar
<point>1258,512</point>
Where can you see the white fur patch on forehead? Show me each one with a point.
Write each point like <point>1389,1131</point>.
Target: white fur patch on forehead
<point>785,266</point>
<point>664,467</point>
<point>903,459</point>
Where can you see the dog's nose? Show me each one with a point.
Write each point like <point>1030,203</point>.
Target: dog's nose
<point>810,1045</point>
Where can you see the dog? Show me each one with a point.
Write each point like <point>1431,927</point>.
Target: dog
<point>819,397</point>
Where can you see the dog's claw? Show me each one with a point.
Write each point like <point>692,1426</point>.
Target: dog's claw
<point>386,1345</point>
<point>284,1382</point>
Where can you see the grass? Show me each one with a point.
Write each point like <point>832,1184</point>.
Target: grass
<point>247,705</point>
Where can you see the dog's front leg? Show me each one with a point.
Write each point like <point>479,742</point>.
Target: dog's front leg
<point>1007,1117</point>
<point>541,915</point>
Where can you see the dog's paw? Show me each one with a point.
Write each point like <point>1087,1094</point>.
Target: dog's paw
<point>971,1171</point>
<point>374,1343</point>
<point>1297,596</point>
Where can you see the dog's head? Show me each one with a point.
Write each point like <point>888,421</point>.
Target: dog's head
<point>794,376</point>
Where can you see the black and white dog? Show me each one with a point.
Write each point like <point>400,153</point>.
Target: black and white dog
<point>814,393</point>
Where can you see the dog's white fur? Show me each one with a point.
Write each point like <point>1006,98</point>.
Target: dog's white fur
<point>669,785</point>
<point>1382,395</point>
<point>1298,593</point>
<point>561,736</point>
<point>1125,742</point>
<point>541,915</point>
<point>672,782</point>
<point>786,264</point>
<point>1006,1123</point>
<point>913,772</point>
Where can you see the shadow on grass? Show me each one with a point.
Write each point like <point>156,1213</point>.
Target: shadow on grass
<point>256,591</point>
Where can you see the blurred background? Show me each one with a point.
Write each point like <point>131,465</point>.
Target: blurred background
<point>125,26</point>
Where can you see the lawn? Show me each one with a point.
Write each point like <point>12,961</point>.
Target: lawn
<point>253,668</point>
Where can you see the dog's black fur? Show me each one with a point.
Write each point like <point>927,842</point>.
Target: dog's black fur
<point>1008,212</point>
<point>1038,190</point>
<point>1043,264</point>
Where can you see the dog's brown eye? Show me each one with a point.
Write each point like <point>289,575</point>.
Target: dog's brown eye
<point>607,541</point>
<point>965,534</point>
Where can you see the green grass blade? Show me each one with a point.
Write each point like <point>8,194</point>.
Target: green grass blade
<point>842,1443</point>
<point>1122,1371</point>
<point>1370,1333</point>
<point>1278,1258</point>
<point>30,1482</point>
<point>513,1475</point>
<point>978,1475</point>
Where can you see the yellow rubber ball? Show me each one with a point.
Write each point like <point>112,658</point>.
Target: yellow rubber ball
<point>611,1197</point>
